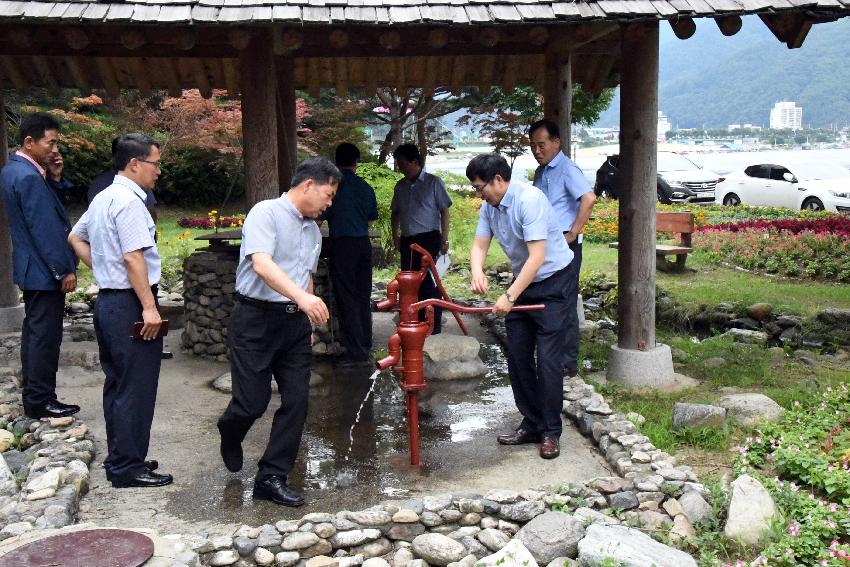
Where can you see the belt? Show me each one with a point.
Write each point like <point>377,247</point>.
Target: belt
<point>286,306</point>
<point>154,288</point>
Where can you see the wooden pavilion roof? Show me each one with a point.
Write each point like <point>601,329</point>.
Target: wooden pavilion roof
<point>345,44</point>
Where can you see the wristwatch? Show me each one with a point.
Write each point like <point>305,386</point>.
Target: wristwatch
<point>509,297</point>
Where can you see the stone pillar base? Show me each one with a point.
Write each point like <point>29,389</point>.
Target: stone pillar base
<point>11,319</point>
<point>641,369</point>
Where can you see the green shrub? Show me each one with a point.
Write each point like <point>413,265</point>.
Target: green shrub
<point>198,176</point>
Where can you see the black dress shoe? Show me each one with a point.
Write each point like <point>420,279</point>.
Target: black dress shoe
<point>231,452</point>
<point>273,487</point>
<point>166,355</point>
<point>152,465</point>
<point>518,437</point>
<point>53,408</point>
<point>550,448</point>
<point>145,479</point>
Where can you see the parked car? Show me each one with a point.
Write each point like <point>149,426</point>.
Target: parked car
<point>813,186</point>
<point>679,180</point>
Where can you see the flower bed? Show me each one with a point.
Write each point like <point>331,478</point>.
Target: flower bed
<point>808,248</point>
<point>212,220</point>
<point>810,450</point>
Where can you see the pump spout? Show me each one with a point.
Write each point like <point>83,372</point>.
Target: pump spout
<point>394,348</point>
<point>392,297</point>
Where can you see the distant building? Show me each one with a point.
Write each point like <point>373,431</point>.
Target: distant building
<point>786,115</point>
<point>664,125</point>
<point>733,127</point>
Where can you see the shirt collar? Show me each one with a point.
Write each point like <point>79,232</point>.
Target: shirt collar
<point>557,160</point>
<point>420,177</point>
<point>130,184</point>
<point>290,208</point>
<point>508,198</point>
<point>38,167</point>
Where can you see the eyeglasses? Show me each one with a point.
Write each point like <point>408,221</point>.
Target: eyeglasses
<point>153,163</point>
<point>480,188</point>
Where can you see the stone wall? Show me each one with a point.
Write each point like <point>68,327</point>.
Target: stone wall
<point>209,278</point>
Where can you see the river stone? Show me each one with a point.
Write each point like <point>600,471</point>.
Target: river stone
<point>245,546</point>
<point>7,439</point>
<point>452,357</point>
<point>402,557</point>
<point>354,537</point>
<point>751,511</point>
<point>695,507</point>
<point>551,535</point>
<point>438,502</point>
<point>405,532</point>
<point>759,311</point>
<point>589,516</point>
<point>405,516</point>
<point>493,539</point>
<point>263,557</point>
<point>522,511</point>
<point>562,562</point>
<point>321,561</point>
<point>746,336</point>
<point>8,485</point>
<point>681,529</point>
<point>438,549</point>
<point>375,548</point>
<point>450,515</point>
<point>376,562</point>
<point>626,500</point>
<point>324,530</point>
<point>221,558</point>
<point>321,547</point>
<point>473,547</point>
<point>430,519</point>
<point>299,540</point>
<point>748,409</point>
<point>514,554</point>
<point>502,496</point>
<point>627,547</point>
<point>370,518</point>
<point>286,558</point>
<point>698,415</point>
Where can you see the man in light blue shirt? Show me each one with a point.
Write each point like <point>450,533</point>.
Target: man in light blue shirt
<point>572,199</point>
<point>269,329</point>
<point>115,237</point>
<point>522,221</point>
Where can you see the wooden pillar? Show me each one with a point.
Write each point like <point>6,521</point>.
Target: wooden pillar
<point>638,155</point>
<point>558,95</point>
<point>8,291</point>
<point>259,118</point>
<point>287,140</point>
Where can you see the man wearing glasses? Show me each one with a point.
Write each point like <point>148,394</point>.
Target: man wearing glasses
<point>572,199</point>
<point>523,222</point>
<point>115,237</point>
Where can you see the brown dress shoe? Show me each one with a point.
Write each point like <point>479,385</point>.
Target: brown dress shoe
<point>550,448</point>
<point>518,437</point>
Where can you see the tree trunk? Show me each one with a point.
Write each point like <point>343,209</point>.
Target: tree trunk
<point>422,140</point>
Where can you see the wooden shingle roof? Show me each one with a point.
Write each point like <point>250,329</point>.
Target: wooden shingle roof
<point>393,12</point>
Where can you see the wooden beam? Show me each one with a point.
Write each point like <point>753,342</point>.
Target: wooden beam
<point>8,291</point>
<point>638,162</point>
<point>202,81</point>
<point>683,27</point>
<point>14,74</point>
<point>314,77</point>
<point>138,69</point>
<point>186,39</point>
<point>231,77</point>
<point>77,38</point>
<point>560,92</point>
<point>390,40</point>
<point>287,141</point>
<point>172,78</point>
<point>341,77</point>
<point>371,85</point>
<point>603,72</point>
<point>438,38</point>
<point>538,35</point>
<point>401,72</point>
<point>133,39</point>
<point>259,119</point>
<point>429,81</point>
<point>489,37</point>
<point>486,78</point>
<point>790,29</point>
<point>20,37</point>
<point>107,76</point>
<point>45,73</point>
<point>728,25</point>
<point>239,38</point>
<point>338,39</point>
<point>510,74</point>
<point>458,79</point>
<point>79,75</point>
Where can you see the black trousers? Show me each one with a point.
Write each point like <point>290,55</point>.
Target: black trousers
<point>267,341</point>
<point>538,384</point>
<point>351,276</point>
<point>571,361</point>
<point>430,241</point>
<point>41,338</point>
<point>132,377</point>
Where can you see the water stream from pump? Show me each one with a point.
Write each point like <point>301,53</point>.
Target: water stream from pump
<point>346,476</point>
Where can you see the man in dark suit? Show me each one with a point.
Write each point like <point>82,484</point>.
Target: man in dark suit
<point>44,265</point>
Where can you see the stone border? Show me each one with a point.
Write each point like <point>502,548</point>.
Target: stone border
<point>652,492</point>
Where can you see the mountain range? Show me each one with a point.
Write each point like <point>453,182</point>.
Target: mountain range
<point>711,80</point>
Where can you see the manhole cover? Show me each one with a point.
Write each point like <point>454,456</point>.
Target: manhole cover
<point>89,548</point>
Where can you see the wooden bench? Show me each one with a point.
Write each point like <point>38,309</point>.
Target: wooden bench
<point>681,226</point>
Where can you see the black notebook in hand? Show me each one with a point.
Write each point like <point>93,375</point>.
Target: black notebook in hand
<point>138,325</point>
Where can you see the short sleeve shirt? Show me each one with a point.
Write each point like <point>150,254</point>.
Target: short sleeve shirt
<point>563,183</point>
<point>418,203</point>
<point>524,215</point>
<point>354,205</point>
<point>116,223</point>
<point>275,227</point>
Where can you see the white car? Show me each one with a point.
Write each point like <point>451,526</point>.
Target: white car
<point>813,186</point>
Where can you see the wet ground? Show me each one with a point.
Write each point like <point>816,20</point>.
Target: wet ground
<point>459,422</point>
